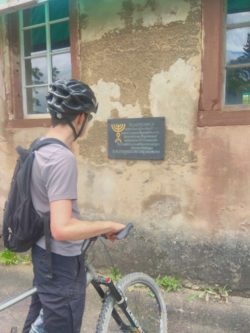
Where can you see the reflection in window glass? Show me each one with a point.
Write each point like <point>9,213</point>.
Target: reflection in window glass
<point>36,71</point>
<point>237,71</point>
<point>59,35</point>
<point>45,51</point>
<point>61,66</point>
<point>34,41</point>
<point>237,46</point>
<point>34,15</point>
<point>238,86</point>
<point>238,18</point>
<point>36,100</point>
<point>58,9</point>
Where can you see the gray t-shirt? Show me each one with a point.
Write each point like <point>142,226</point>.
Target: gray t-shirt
<point>54,177</point>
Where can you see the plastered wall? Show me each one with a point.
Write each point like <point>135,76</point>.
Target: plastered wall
<point>191,211</point>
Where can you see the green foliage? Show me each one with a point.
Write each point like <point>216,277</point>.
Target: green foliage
<point>115,274</point>
<point>8,257</point>
<point>169,283</point>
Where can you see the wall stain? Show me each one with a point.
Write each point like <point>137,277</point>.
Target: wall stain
<point>177,150</point>
<point>84,18</point>
<point>129,8</point>
<point>127,13</point>
<point>162,205</point>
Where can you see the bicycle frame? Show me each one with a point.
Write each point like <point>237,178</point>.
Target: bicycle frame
<point>97,281</point>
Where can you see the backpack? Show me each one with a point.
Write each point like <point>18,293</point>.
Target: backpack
<point>22,225</point>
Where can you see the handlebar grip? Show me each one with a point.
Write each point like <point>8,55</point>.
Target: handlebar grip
<point>124,233</point>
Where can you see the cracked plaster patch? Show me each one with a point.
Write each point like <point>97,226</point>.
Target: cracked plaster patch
<point>108,95</point>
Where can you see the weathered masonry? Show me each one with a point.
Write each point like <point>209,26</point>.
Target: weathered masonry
<point>176,59</point>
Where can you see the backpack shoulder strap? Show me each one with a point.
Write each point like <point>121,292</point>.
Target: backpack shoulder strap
<point>37,144</point>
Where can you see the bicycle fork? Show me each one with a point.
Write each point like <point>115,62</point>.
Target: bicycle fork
<point>120,301</point>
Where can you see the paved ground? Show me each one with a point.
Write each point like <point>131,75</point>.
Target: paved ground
<point>185,316</point>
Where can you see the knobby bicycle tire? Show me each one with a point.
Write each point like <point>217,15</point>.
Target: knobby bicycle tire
<point>151,313</point>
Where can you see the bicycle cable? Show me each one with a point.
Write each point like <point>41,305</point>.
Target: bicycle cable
<point>107,251</point>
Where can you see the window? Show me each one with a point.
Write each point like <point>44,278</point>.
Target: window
<point>225,86</point>
<point>45,52</point>
<point>237,76</point>
<point>40,40</point>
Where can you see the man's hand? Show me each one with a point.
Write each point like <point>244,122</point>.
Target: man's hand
<point>116,228</point>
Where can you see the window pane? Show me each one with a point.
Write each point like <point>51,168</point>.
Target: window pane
<point>58,9</point>
<point>59,35</point>
<point>238,85</point>
<point>34,41</point>
<point>35,15</point>
<point>36,100</point>
<point>36,71</point>
<point>238,18</point>
<point>61,66</point>
<point>238,46</point>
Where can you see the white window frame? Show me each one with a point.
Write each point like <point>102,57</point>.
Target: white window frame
<point>48,52</point>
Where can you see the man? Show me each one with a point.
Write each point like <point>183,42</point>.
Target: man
<point>54,190</point>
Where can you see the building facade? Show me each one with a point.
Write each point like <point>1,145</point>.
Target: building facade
<point>185,60</point>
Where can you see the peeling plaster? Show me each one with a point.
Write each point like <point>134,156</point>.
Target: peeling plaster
<point>108,94</point>
<point>174,94</point>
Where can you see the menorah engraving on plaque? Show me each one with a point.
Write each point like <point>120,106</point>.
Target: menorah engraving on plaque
<point>118,129</point>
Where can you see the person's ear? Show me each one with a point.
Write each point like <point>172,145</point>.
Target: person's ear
<point>80,118</point>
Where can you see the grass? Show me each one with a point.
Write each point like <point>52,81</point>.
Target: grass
<point>8,257</point>
<point>169,283</point>
<point>115,273</point>
<point>216,293</point>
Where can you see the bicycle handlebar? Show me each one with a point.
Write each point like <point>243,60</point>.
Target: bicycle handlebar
<point>119,235</point>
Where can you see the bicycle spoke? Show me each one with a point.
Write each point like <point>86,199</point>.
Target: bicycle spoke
<point>144,307</point>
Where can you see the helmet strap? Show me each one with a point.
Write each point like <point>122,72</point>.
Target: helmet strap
<point>81,129</point>
<point>76,135</point>
<point>73,129</point>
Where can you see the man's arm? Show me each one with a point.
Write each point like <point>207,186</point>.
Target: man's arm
<point>65,227</point>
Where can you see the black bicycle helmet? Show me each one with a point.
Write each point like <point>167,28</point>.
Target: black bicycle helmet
<point>69,98</point>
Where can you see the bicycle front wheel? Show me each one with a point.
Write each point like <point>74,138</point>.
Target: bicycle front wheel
<point>144,300</point>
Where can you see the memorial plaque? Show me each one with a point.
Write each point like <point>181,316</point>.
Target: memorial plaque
<point>136,139</point>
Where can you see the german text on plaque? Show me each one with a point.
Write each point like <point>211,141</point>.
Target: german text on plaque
<point>137,138</point>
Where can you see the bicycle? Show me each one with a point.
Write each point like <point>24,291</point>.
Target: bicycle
<point>132,305</point>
